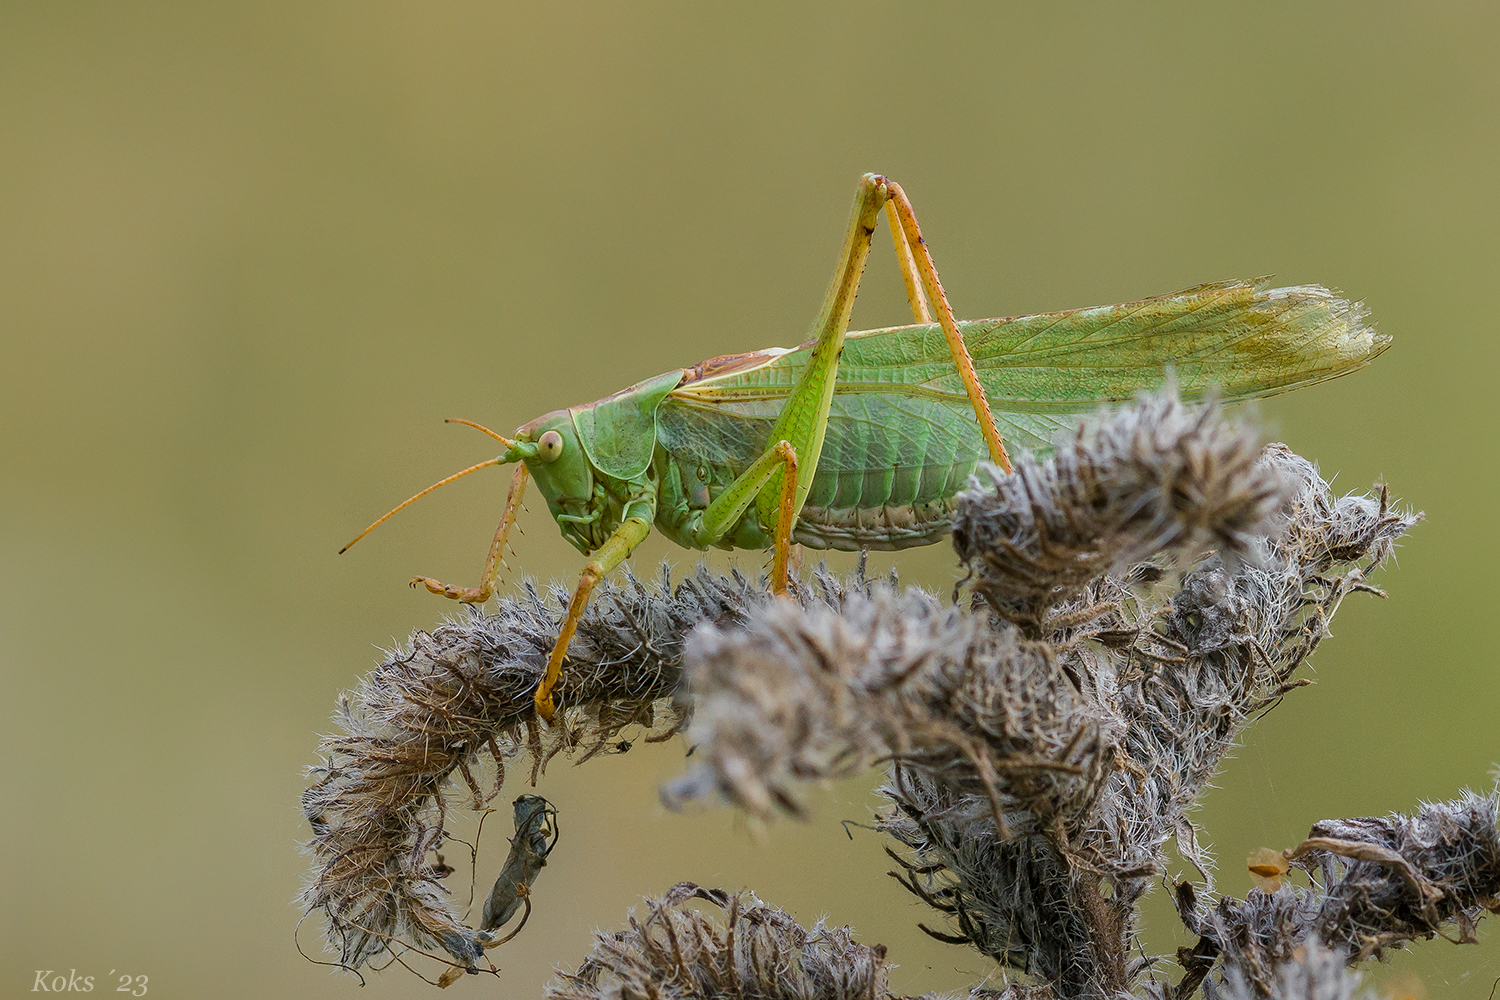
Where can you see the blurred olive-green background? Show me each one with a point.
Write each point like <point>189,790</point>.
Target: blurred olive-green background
<point>252,255</point>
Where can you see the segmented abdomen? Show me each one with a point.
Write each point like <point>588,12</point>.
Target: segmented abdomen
<point>881,528</point>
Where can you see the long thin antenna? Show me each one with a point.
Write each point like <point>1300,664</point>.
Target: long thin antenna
<point>480,427</point>
<point>408,503</point>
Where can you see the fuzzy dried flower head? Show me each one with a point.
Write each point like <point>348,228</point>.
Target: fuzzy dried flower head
<point>1378,883</point>
<point>676,952</point>
<point>451,711</point>
<point>1157,478</point>
<point>457,701</point>
<point>813,693</point>
<point>1315,974</point>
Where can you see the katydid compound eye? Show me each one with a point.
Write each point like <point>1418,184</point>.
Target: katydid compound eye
<point>550,446</point>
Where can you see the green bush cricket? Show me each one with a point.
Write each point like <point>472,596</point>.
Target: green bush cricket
<point>861,440</point>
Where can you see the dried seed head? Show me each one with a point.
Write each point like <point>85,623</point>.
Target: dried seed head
<point>753,950</point>
<point>810,693</point>
<point>1315,974</point>
<point>1154,479</point>
<point>454,708</point>
<point>457,702</point>
<point>1379,882</point>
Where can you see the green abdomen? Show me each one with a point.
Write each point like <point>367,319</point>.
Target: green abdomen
<point>889,469</point>
<point>888,474</point>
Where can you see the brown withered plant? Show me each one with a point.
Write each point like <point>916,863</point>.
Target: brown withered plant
<point>1132,602</point>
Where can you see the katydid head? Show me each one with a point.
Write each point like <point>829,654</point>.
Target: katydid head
<point>590,460</point>
<point>557,460</point>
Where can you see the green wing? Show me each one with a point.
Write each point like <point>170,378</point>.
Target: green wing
<point>901,430</point>
<point>1238,338</point>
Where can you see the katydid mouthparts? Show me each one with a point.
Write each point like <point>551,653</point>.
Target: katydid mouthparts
<point>861,440</point>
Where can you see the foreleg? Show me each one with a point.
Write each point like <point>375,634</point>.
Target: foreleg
<point>626,537</point>
<point>487,579</point>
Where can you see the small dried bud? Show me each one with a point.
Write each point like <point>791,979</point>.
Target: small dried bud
<point>1266,868</point>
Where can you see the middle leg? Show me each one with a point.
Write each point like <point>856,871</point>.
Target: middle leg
<point>803,419</point>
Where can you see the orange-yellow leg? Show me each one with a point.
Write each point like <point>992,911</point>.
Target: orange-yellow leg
<point>786,517</point>
<point>926,270</point>
<point>481,593</point>
<point>909,273</point>
<point>754,485</point>
<point>619,545</point>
